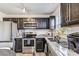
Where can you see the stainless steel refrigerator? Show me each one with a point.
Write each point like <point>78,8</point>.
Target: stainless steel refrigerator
<point>8,31</point>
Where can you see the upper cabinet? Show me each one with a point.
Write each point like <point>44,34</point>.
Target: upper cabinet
<point>42,23</point>
<point>30,23</point>
<point>64,14</point>
<point>74,11</point>
<point>37,23</point>
<point>15,20</point>
<point>20,23</point>
<point>69,14</point>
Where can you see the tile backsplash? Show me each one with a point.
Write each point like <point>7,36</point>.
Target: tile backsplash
<point>37,31</point>
<point>72,29</point>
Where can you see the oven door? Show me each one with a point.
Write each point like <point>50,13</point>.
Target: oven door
<point>28,42</point>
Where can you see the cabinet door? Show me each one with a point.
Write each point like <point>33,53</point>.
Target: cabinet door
<point>69,13</point>
<point>18,45</point>
<point>40,44</point>
<point>15,20</point>
<point>20,23</point>
<point>42,23</point>
<point>74,11</point>
<point>64,14</point>
<point>39,23</point>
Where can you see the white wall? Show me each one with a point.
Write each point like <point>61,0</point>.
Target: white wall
<point>38,31</point>
<point>72,29</point>
<point>25,16</point>
<point>2,15</point>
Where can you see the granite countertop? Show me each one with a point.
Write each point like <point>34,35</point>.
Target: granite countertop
<point>59,50</point>
<point>7,52</point>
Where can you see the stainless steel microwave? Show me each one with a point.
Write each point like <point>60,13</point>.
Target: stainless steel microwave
<point>30,24</point>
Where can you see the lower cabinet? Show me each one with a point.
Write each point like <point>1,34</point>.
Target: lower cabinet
<point>40,44</point>
<point>18,44</point>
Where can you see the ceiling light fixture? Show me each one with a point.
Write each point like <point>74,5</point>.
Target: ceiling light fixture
<point>24,10</point>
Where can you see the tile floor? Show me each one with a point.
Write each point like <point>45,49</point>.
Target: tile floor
<point>30,54</point>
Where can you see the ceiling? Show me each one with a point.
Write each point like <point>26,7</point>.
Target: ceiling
<point>31,8</point>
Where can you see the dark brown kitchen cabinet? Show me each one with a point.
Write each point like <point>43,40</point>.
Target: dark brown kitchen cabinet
<point>15,20</point>
<point>18,44</point>
<point>74,11</point>
<point>69,14</point>
<point>64,14</point>
<point>20,23</point>
<point>33,23</point>
<point>40,44</point>
<point>42,23</point>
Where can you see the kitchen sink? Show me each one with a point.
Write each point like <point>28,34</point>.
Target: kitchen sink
<point>64,44</point>
<point>51,39</point>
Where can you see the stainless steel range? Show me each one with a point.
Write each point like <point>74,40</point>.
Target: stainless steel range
<point>28,44</point>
